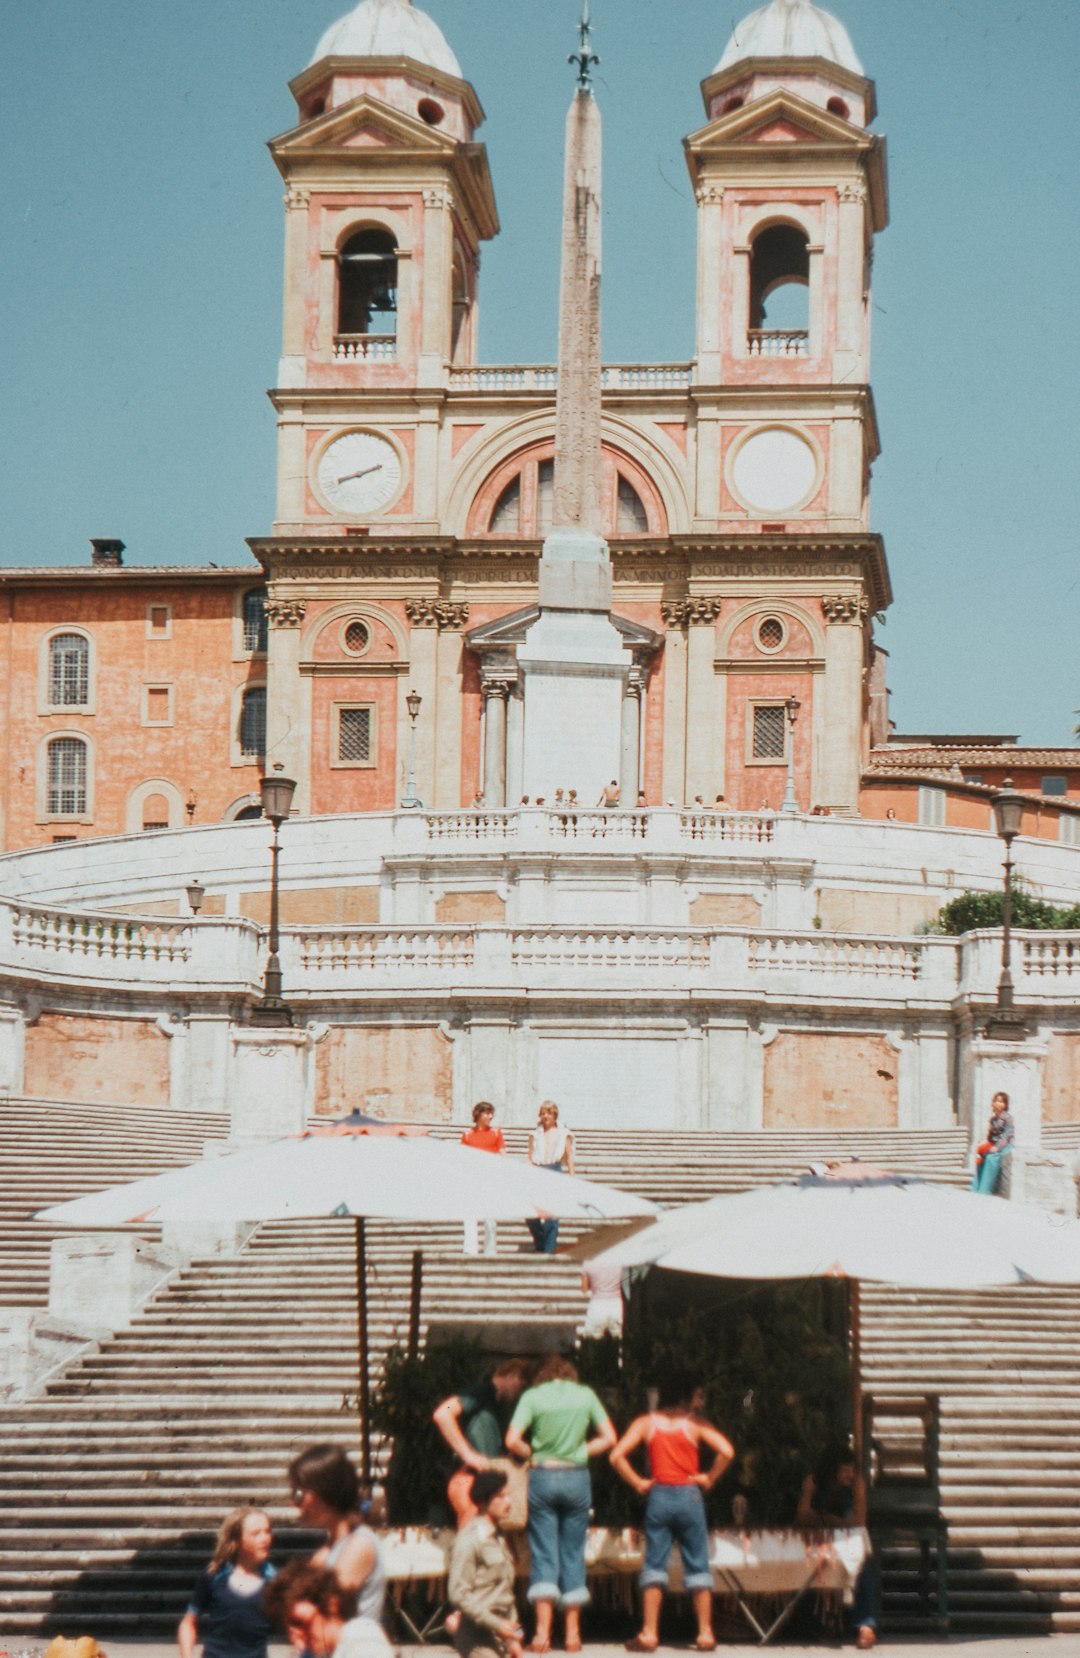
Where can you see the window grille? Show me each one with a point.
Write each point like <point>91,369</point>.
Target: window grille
<point>255,621</point>
<point>630,515</point>
<point>357,638</point>
<point>770,733</point>
<point>506,519</point>
<point>154,825</point>
<point>253,724</point>
<point>354,736</point>
<point>67,777</point>
<point>771,634</point>
<point>69,671</point>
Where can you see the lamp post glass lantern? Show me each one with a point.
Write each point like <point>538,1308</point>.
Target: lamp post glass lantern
<point>410,801</point>
<point>277,793</point>
<point>791,710</point>
<point>196,892</point>
<point>1005,1024</point>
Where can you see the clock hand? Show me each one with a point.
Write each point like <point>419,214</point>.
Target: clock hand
<point>349,476</point>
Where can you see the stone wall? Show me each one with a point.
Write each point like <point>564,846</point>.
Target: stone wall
<point>89,1057</point>
<point>817,1079</point>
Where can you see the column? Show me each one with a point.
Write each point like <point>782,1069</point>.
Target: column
<point>435,279</point>
<point>450,619</point>
<point>675,614</point>
<point>496,692</point>
<point>296,230</point>
<point>515,745</point>
<point>423,677</point>
<point>849,363</point>
<point>842,721</point>
<point>702,733</point>
<point>710,200</point>
<point>288,732</point>
<point>630,773</point>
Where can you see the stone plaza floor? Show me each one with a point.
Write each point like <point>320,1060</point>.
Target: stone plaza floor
<point>971,1646</point>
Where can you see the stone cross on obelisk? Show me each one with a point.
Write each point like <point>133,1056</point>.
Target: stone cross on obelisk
<point>572,660</point>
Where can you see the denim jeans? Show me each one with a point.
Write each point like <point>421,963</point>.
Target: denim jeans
<point>545,1233</point>
<point>986,1176</point>
<point>559,1502</point>
<point>676,1513</point>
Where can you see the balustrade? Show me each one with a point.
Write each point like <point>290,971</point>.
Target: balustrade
<point>873,958</point>
<point>385,950</point>
<point>449,827</point>
<point>778,342</point>
<point>102,937</point>
<point>545,377</point>
<point>1054,957</point>
<point>742,828</point>
<point>609,949</point>
<point>372,348</point>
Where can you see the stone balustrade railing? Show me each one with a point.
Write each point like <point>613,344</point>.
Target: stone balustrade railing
<point>50,946</point>
<point>370,348</point>
<point>504,377</point>
<point>778,342</point>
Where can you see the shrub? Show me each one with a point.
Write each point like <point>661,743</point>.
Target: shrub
<point>973,910</point>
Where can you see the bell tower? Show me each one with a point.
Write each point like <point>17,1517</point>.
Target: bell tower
<point>388,198</point>
<point>791,189</point>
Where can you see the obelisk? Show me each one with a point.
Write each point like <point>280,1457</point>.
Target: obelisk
<point>573,661</point>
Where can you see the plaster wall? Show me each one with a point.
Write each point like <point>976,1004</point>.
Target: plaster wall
<point>90,1057</point>
<point>818,1079</point>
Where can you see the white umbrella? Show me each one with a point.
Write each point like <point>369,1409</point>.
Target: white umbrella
<point>396,1177</point>
<point>883,1229</point>
<point>389,1172</point>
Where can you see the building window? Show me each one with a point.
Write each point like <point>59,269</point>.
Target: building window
<point>356,637</point>
<point>253,723</point>
<point>155,812</point>
<point>932,808</point>
<point>506,518</point>
<point>769,740</point>
<point>159,621</point>
<point>354,734</point>
<point>367,287</point>
<point>1069,828</point>
<point>630,515</point>
<point>1054,785</point>
<point>526,504</point>
<point>780,293</point>
<point>255,621</point>
<point>69,670</point>
<point>66,768</point>
<point>771,634</point>
<point>157,705</point>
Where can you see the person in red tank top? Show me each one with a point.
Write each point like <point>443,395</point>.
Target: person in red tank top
<point>482,1137</point>
<point>674,1504</point>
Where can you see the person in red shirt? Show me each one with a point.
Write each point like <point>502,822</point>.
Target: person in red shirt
<point>674,1503</point>
<point>483,1137</point>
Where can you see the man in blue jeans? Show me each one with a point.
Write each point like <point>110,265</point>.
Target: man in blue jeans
<point>674,1503</point>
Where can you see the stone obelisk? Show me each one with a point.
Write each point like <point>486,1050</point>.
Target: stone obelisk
<point>573,660</point>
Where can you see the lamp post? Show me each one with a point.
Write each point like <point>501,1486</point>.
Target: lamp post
<point>1005,1024</point>
<point>791,711</point>
<point>409,799</point>
<point>196,892</point>
<point>277,792</point>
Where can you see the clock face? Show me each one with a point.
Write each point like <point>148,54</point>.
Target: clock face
<point>358,474</point>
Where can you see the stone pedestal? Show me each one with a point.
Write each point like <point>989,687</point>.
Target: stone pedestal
<point>32,1347</point>
<point>1014,1068</point>
<point>12,1048</point>
<point>269,1085</point>
<point>97,1281</point>
<point>575,668</point>
<point>1043,1179</point>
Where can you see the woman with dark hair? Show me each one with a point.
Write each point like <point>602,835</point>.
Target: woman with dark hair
<point>674,1503</point>
<point>226,1605</point>
<point>326,1491</point>
<point>557,1413</point>
<point>999,1141</point>
<point>834,1499</point>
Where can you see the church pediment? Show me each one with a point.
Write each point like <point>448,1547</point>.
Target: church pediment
<point>506,632</point>
<point>782,117</point>
<point>363,121</point>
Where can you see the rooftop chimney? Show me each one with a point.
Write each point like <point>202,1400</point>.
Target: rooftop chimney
<point>107,554</point>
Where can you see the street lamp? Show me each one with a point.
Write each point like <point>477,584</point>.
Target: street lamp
<point>1005,1024</point>
<point>277,793</point>
<point>791,710</point>
<point>409,799</point>
<point>196,892</point>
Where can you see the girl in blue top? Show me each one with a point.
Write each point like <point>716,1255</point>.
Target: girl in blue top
<point>226,1605</point>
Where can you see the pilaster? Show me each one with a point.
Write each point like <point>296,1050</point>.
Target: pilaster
<point>288,725</point>
<point>837,787</point>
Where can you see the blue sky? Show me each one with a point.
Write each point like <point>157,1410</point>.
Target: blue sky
<point>141,284</point>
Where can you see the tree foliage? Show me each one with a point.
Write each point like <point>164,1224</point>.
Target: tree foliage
<point>972,910</point>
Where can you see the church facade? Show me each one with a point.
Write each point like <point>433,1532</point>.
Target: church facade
<point>415,487</point>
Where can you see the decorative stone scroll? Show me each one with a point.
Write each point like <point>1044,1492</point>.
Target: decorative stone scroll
<point>446,615</point>
<point>853,192</point>
<point>710,195</point>
<point>846,609</point>
<point>285,613</point>
<point>684,613</point>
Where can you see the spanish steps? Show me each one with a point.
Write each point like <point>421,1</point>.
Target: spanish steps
<point>115,1478</point>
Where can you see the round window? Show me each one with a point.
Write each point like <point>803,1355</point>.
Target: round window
<point>771,633</point>
<point>357,638</point>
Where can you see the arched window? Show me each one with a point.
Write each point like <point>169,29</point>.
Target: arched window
<point>66,773</point>
<point>367,286</point>
<point>155,812</point>
<point>780,293</point>
<point>247,814</point>
<point>253,723</point>
<point>69,670</point>
<point>255,621</point>
<point>525,506</point>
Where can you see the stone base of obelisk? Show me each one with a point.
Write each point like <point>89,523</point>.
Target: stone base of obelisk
<point>574,665</point>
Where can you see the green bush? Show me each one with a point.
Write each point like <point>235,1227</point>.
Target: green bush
<point>973,910</point>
